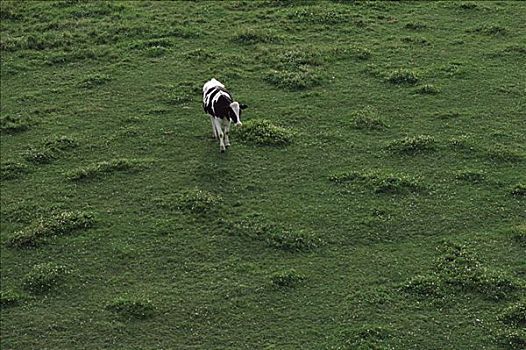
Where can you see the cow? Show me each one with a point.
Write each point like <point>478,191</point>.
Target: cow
<point>222,109</point>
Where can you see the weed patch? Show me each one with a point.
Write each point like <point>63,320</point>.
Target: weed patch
<point>12,170</point>
<point>94,80</point>
<point>459,270</point>
<point>402,77</point>
<point>100,169</point>
<point>9,297</point>
<point>471,176</point>
<point>12,124</point>
<point>287,279</point>
<point>519,190</point>
<point>194,201</point>
<point>253,36</point>
<point>367,119</point>
<point>50,150</point>
<point>44,277</point>
<point>515,314</point>
<point>300,79</point>
<point>275,236</point>
<point>380,183</point>
<point>413,145</point>
<point>132,307</point>
<point>427,89</point>
<point>264,133</point>
<point>61,224</point>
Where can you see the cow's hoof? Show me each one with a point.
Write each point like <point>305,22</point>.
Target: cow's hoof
<point>222,150</point>
<point>227,145</point>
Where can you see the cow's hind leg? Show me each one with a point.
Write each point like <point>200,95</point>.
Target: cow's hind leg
<point>214,132</point>
<point>220,134</point>
<point>226,129</point>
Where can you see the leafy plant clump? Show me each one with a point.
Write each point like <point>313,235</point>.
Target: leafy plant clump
<point>264,133</point>
<point>58,225</point>
<point>289,278</point>
<point>44,277</point>
<point>132,307</point>
<point>103,168</point>
<point>402,76</point>
<point>50,150</point>
<point>413,145</point>
<point>93,80</point>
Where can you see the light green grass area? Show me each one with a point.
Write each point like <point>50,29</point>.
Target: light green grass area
<point>375,199</point>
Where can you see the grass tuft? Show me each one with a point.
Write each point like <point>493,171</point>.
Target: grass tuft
<point>194,201</point>
<point>100,169</point>
<point>413,145</point>
<point>44,277</point>
<point>61,224</point>
<point>132,307</point>
<point>287,279</point>
<point>415,26</point>
<point>402,76</point>
<point>264,133</point>
<point>367,337</point>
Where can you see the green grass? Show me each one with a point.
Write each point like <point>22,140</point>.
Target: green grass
<point>376,131</point>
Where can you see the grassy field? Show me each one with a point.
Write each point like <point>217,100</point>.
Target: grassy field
<point>373,199</point>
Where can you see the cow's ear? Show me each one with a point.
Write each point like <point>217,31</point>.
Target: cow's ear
<point>243,106</point>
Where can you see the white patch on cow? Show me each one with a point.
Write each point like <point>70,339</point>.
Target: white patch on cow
<point>235,108</point>
<point>212,83</point>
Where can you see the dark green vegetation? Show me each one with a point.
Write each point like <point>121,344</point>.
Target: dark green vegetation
<point>372,199</point>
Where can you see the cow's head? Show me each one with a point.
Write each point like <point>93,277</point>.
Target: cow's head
<point>236,108</point>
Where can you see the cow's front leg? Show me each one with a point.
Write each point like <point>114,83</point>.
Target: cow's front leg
<point>220,134</point>
<point>226,129</point>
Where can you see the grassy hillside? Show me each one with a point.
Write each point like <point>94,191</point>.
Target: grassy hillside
<point>373,199</point>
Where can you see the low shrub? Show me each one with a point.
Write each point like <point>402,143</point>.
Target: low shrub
<point>264,133</point>
<point>130,307</point>
<point>58,225</point>
<point>287,278</point>
<point>44,277</point>
<point>402,76</point>
<point>197,201</point>
<point>12,170</point>
<point>413,145</point>
<point>39,155</point>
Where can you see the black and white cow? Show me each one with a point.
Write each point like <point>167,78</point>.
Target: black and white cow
<point>223,110</point>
